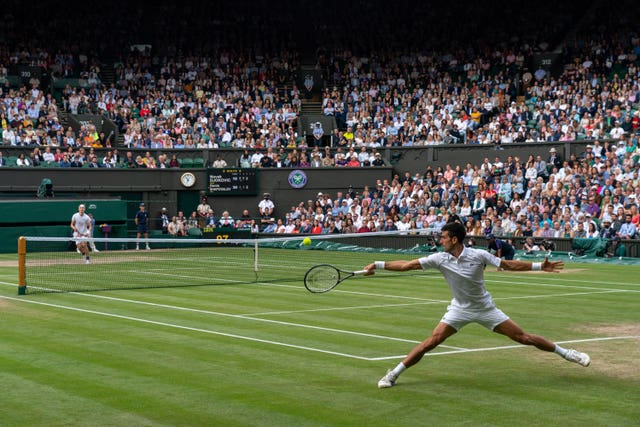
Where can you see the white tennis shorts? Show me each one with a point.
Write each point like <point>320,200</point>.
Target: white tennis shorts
<point>79,238</point>
<point>457,318</point>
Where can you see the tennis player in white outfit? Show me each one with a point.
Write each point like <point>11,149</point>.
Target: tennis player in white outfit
<point>81,226</point>
<point>463,270</point>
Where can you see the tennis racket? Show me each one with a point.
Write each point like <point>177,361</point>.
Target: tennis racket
<point>324,277</point>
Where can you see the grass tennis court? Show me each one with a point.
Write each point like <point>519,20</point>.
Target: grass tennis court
<point>270,353</point>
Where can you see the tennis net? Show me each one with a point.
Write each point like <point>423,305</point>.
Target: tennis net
<point>52,264</point>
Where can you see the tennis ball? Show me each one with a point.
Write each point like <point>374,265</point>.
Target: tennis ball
<point>306,241</point>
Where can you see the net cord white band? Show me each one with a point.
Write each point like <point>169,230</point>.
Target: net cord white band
<point>316,237</point>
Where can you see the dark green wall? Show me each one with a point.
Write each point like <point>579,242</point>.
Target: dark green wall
<point>59,211</point>
<point>51,218</point>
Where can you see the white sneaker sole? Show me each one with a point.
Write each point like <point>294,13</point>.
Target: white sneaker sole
<point>385,384</point>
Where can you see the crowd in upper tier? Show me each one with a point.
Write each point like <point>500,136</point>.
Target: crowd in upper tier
<point>240,89</point>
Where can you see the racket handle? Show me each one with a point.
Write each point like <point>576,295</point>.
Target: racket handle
<point>360,272</point>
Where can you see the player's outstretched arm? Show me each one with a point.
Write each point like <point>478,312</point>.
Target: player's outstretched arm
<point>398,265</point>
<point>548,266</point>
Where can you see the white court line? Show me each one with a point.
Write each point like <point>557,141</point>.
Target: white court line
<point>188,328</point>
<point>350,307</point>
<point>245,317</point>
<point>267,313</point>
<point>569,294</point>
<point>559,278</point>
<point>240,316</point>
<point>279,343</point>
<point>556,285</point>
<point>509,347</point>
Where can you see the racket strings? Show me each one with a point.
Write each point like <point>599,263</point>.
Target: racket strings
<point>322,278</point>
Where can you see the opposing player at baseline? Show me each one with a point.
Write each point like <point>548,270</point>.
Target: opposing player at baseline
<point>463,270</point>
<point>81,226</point>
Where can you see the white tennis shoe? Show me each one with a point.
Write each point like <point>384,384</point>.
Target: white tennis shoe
<point>578,357</point>
<point>87,261</point>
<point>388,380</point>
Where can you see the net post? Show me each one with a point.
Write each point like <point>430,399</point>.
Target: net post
<point>255,257</point>
<point>22,256</point>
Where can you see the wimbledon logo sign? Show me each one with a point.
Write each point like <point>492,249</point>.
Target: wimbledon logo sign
<point>297,178</point>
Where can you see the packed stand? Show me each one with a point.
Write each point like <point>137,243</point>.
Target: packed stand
<point>595,195</point>
<point>384,91</point>
<point>225,91</point>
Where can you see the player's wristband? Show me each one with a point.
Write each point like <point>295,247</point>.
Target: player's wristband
<point>536,266</point>
<point>379,265</point>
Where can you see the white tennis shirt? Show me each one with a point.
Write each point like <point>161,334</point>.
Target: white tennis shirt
<point>82,224</point>
<point>464,275</point>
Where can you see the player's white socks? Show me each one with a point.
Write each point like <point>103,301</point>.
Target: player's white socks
<point>561,351</point>
<point>399,369</point>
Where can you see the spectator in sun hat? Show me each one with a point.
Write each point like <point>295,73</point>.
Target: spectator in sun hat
<point>377,161</point>
<point>588,151</point>
<point>316,161</point>
<point>343,208</point>
<point>588,220</point>
<point>439,222</point>
<point>607,232</point>
<point>617,131</point>
<point>554,158</point>
<point>620,149</point>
